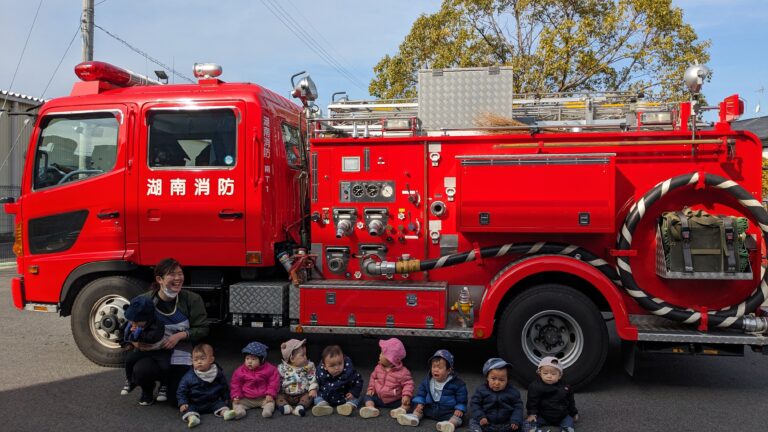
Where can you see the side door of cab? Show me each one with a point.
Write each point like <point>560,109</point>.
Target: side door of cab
<point>73,194</point>
<point>190,189</point>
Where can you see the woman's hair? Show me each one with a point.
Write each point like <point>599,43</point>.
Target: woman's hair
<point>164,267</point>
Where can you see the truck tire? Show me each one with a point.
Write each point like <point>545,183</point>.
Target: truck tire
<point>97,314</point>
<point>553,320</point>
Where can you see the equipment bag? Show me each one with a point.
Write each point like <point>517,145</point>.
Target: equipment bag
<point>695,241</point>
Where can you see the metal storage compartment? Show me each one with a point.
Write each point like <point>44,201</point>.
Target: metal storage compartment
<point>374,304</point>
<point>550,193</point>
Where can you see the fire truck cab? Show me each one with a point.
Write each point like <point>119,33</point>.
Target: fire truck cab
<point>467,213</point>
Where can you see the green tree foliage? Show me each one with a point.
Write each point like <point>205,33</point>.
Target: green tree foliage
<point>552,45</point>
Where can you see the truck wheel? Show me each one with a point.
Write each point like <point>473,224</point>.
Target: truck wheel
<point>97,314</point>
<point>553,320</point>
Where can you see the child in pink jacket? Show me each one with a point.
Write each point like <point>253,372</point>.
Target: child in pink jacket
<point>255,383</point>
<point>391,384</point>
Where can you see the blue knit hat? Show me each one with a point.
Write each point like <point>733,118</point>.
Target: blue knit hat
<point>142,308</point>
<point>257,349</point>
<point>443,354</point>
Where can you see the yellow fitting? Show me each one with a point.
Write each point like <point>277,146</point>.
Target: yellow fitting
<point>409,266</point>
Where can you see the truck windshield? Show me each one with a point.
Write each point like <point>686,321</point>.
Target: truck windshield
<point>74,147</point>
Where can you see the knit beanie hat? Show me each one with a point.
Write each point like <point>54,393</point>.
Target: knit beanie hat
<point>392,350</point>
<point>142,308</point>
<point>288,347</point>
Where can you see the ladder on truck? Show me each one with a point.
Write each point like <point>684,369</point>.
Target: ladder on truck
<point>556,111</point>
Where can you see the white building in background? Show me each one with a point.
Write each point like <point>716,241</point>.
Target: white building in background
<point>15,131</point>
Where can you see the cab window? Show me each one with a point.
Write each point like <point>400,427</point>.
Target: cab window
<point>292,141</point>
<point>75,147</point>
<point>200,138</point>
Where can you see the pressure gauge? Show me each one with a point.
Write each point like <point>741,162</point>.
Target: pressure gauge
<point>387,191</point>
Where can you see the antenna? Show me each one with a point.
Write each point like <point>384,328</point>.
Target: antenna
<point>761,90</point>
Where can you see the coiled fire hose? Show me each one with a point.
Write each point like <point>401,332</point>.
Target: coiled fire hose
<point>728,317</point>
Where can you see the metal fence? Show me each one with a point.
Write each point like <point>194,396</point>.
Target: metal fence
<point>7,226</point>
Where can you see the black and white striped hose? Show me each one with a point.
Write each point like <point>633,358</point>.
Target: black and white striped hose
<point>728,317</point>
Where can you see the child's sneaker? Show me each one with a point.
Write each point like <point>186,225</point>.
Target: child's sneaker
<point>229,415</point>
<point>369,412</point>
<point>445,426</point>
<point>267,409</point>
<point>322,409</point>
<point>397,411</point>
<point>193,421</point>
<point>162,394</point>
<point>300,411</point>
<point>345,409</point>
<point>569,429</point>
<point>408,419</point>
<point>146,399</point>
<point>127,387</point>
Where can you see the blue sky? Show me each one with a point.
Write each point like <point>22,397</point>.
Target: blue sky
<point>253,45</point>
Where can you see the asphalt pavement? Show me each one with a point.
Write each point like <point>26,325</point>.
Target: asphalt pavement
<point>47,385</point>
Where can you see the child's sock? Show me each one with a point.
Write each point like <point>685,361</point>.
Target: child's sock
<point>193,421</point>
<point>267,409</point>
<point>285,409</point>
<point>408,419</point>
<point>322,409</point>
<point>369,412</point>
<point>345,409</point>
<point>397,411</point>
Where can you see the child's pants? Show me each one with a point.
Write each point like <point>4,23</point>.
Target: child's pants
<point>318,400</point>
<point>474,426</point>
<point>216,407</point>
<point>293,400</point>
<point>267,408</point>
<point>378,403</point>
<point>566,422</point>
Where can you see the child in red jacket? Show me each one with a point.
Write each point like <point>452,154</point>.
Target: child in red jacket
<point>255,383</point>
<point>391,383</point>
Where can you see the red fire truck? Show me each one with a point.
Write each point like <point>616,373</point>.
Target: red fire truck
<point>400,218</point>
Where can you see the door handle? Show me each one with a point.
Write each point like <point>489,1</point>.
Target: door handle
<point>230,215</point>
<point>108,215</point>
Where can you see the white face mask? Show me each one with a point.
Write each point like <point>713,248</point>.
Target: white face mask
<point>171,294</point>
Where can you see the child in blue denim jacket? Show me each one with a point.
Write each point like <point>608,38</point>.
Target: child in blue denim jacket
<point>441,396</point>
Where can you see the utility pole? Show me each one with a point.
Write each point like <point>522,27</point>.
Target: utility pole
<point>86,29</point>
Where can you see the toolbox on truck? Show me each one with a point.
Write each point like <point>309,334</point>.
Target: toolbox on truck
<point>374,304</point>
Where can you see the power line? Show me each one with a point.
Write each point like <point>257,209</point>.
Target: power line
<point>61,60</point>
<point>145,55</point>
<point>22,54</point>
<point>283,16</point>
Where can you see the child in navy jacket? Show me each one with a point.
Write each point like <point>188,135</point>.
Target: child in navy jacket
<point>442,396</point>
<point>204,388</point>
<point>340,384</point>
<point>496,405</point>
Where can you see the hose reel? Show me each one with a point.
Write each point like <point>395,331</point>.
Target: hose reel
<point>729,317</point>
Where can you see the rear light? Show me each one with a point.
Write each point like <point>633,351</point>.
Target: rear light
<point>17,241</point>
<point>100,71</point>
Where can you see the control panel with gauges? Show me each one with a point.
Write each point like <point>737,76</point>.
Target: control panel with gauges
<point>366,191</point>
